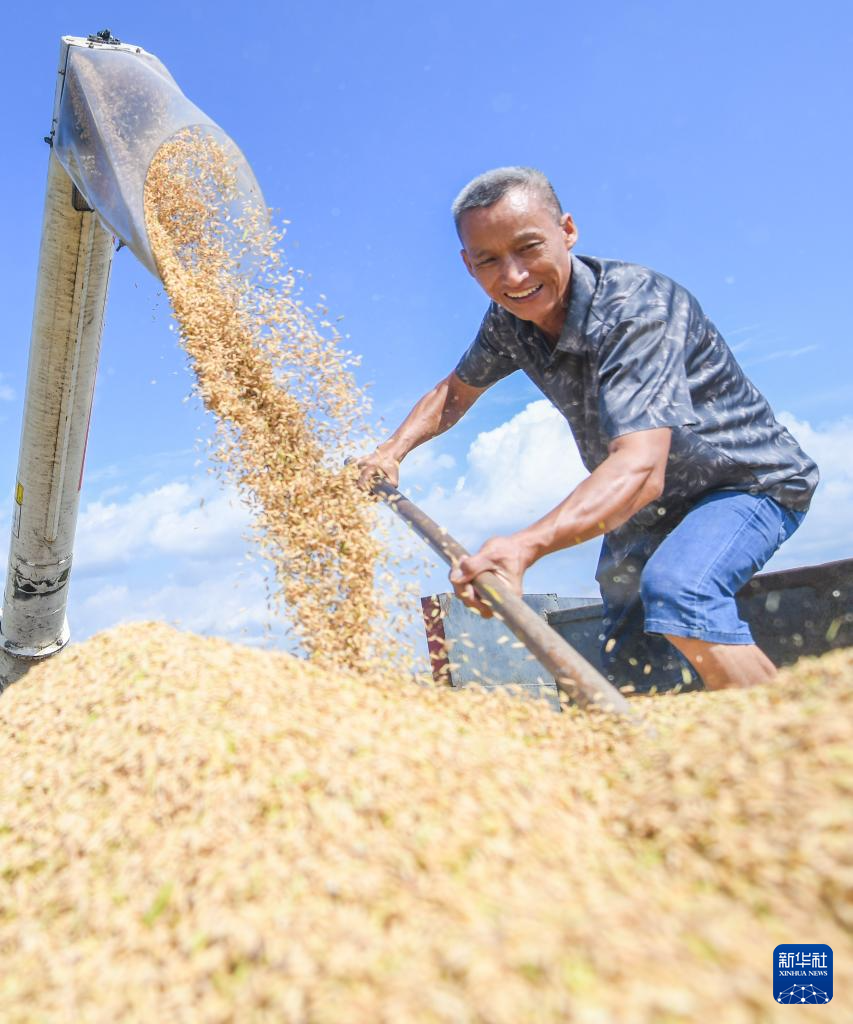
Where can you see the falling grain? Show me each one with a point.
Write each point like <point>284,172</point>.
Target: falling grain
<point>282,390</point>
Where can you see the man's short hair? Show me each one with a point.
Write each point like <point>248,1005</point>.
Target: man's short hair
<point>486,189</point>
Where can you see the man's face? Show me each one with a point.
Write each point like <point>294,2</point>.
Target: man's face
<point>519,254</point>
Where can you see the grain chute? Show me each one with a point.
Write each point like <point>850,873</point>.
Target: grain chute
<point>114,106</point>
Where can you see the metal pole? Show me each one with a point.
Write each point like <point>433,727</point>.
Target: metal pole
<point>73,276</point>
<point>571,671</point>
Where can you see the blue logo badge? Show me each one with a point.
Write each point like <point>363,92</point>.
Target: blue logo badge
<point>802,973</point>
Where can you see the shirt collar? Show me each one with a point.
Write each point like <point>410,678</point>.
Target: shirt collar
<point>581,291</point>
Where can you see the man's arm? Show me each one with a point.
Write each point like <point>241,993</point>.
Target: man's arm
<point>436,412</point>
<point>629,478</point>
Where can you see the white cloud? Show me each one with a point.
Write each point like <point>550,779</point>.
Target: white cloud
<point>513,475</point>
<point>7,393</point>
<point>424,463</point>
<point>175,553</point>
<point>108,601</point>
<point>827,533</point>
<point>203,528</point>
<point>199,518</point>
<point>231,602</point>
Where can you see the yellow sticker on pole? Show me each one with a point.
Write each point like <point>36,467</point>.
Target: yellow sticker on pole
<point>19,501</point>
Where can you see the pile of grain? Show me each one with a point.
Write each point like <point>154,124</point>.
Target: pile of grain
<point>281,386</point>
<point>195,832</point>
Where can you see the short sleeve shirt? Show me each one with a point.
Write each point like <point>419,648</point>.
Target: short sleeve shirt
<point>637,352</point>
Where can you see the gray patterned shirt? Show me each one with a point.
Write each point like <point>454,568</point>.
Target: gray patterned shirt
<point>637,352</point>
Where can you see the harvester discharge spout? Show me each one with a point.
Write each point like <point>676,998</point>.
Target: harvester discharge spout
<point>115,105</point>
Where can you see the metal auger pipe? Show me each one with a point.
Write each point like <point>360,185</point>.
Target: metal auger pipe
<point>73,276</point>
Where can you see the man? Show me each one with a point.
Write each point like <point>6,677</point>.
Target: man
<point>693,482</point>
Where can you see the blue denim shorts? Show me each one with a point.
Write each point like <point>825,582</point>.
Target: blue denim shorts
<point>683,583</point>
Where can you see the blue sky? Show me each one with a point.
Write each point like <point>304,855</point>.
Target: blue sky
<point>710,142</point>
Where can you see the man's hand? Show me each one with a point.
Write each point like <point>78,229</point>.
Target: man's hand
<point>375,465</point>
<point>506,556</point>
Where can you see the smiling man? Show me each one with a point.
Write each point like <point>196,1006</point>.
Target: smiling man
<point>692,480</point>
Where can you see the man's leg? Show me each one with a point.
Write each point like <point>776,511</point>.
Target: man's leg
<point>689,584</point>
<point>630,656</point>
<point>725,665</point>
